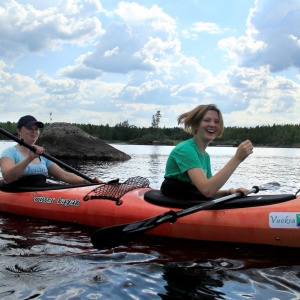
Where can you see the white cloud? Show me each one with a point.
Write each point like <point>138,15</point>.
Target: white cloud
<point>207,27</point>
<point>135,14</point>
<point>28,29</point>
<point>141,38</point>
<point>135,63</point>
<point>124,44</point>
<point>272,37</point>
<point>80,72</point>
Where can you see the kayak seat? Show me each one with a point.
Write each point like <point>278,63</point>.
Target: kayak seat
<point>157,198</point>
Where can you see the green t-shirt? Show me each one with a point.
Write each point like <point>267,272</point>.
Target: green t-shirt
<point>186,155</point>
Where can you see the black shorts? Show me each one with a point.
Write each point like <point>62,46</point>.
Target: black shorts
<point>178,189</point>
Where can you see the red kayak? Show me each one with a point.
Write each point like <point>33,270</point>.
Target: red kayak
<point>259,219</point>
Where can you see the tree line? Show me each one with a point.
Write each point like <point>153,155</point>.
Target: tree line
<point>270,135</point>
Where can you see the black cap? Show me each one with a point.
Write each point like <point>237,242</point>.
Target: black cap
<point>27,121</point>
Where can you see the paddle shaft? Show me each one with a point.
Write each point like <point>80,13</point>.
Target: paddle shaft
<point>212,203</point>
<point>172,216</point>
<point>58,162</point>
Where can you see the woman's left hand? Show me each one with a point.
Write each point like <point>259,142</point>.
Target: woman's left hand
<point>244,191</point>
<point>96,179</point>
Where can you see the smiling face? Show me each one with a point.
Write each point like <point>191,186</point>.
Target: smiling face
<point>209,127</point>
<point>29,134</point>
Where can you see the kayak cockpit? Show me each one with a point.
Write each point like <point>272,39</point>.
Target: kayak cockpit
<point>157,198</point>
<point>33,183</point>
<point>18,189</point>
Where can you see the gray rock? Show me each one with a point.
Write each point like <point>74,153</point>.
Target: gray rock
<point>65,140</point>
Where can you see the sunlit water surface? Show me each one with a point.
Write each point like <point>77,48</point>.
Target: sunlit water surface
<point>42,259</point>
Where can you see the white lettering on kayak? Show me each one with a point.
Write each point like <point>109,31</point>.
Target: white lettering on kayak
<point>43,199</point>
<point>284,219</point>
<point>68,202</point>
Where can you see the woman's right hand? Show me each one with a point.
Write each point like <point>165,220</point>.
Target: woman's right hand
<point>244,150</point>
<point>38,151</point>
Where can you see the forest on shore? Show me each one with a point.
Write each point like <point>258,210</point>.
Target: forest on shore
<point>265,136</point>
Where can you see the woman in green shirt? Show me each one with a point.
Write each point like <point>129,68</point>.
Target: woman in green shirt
<point>188,171</point>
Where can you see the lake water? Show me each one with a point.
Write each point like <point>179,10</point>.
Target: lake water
<point>42,259</point>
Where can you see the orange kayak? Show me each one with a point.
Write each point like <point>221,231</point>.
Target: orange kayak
<point>259,219</point>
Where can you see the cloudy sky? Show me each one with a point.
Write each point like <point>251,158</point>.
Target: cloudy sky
<point>108,61</point>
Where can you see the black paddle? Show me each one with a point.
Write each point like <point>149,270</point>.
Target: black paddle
<point>60,163</point>
<point>113,236</point>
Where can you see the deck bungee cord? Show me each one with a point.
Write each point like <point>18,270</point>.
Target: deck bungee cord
<point>115,190</point>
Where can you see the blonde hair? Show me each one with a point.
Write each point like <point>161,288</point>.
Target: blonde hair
<point>192,119</point>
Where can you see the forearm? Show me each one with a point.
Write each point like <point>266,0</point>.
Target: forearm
<point>65,176</point>
<point>243,151</point>
<point>72,178</point>
<point>211,186</point>
<point>222,176</point>
<point>14,172</point>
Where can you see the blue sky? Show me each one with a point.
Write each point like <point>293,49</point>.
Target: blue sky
<point>105,62</point>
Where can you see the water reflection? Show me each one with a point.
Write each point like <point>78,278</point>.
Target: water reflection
<point>218,279</point>
<point>41,259</point>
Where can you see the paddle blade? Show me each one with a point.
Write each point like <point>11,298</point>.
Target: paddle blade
<point>113,236</point>
<point>273,186</point>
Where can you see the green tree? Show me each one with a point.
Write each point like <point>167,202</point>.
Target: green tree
<point>156,119</point>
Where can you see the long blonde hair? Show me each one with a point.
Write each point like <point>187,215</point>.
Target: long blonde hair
<point>192,119</point>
